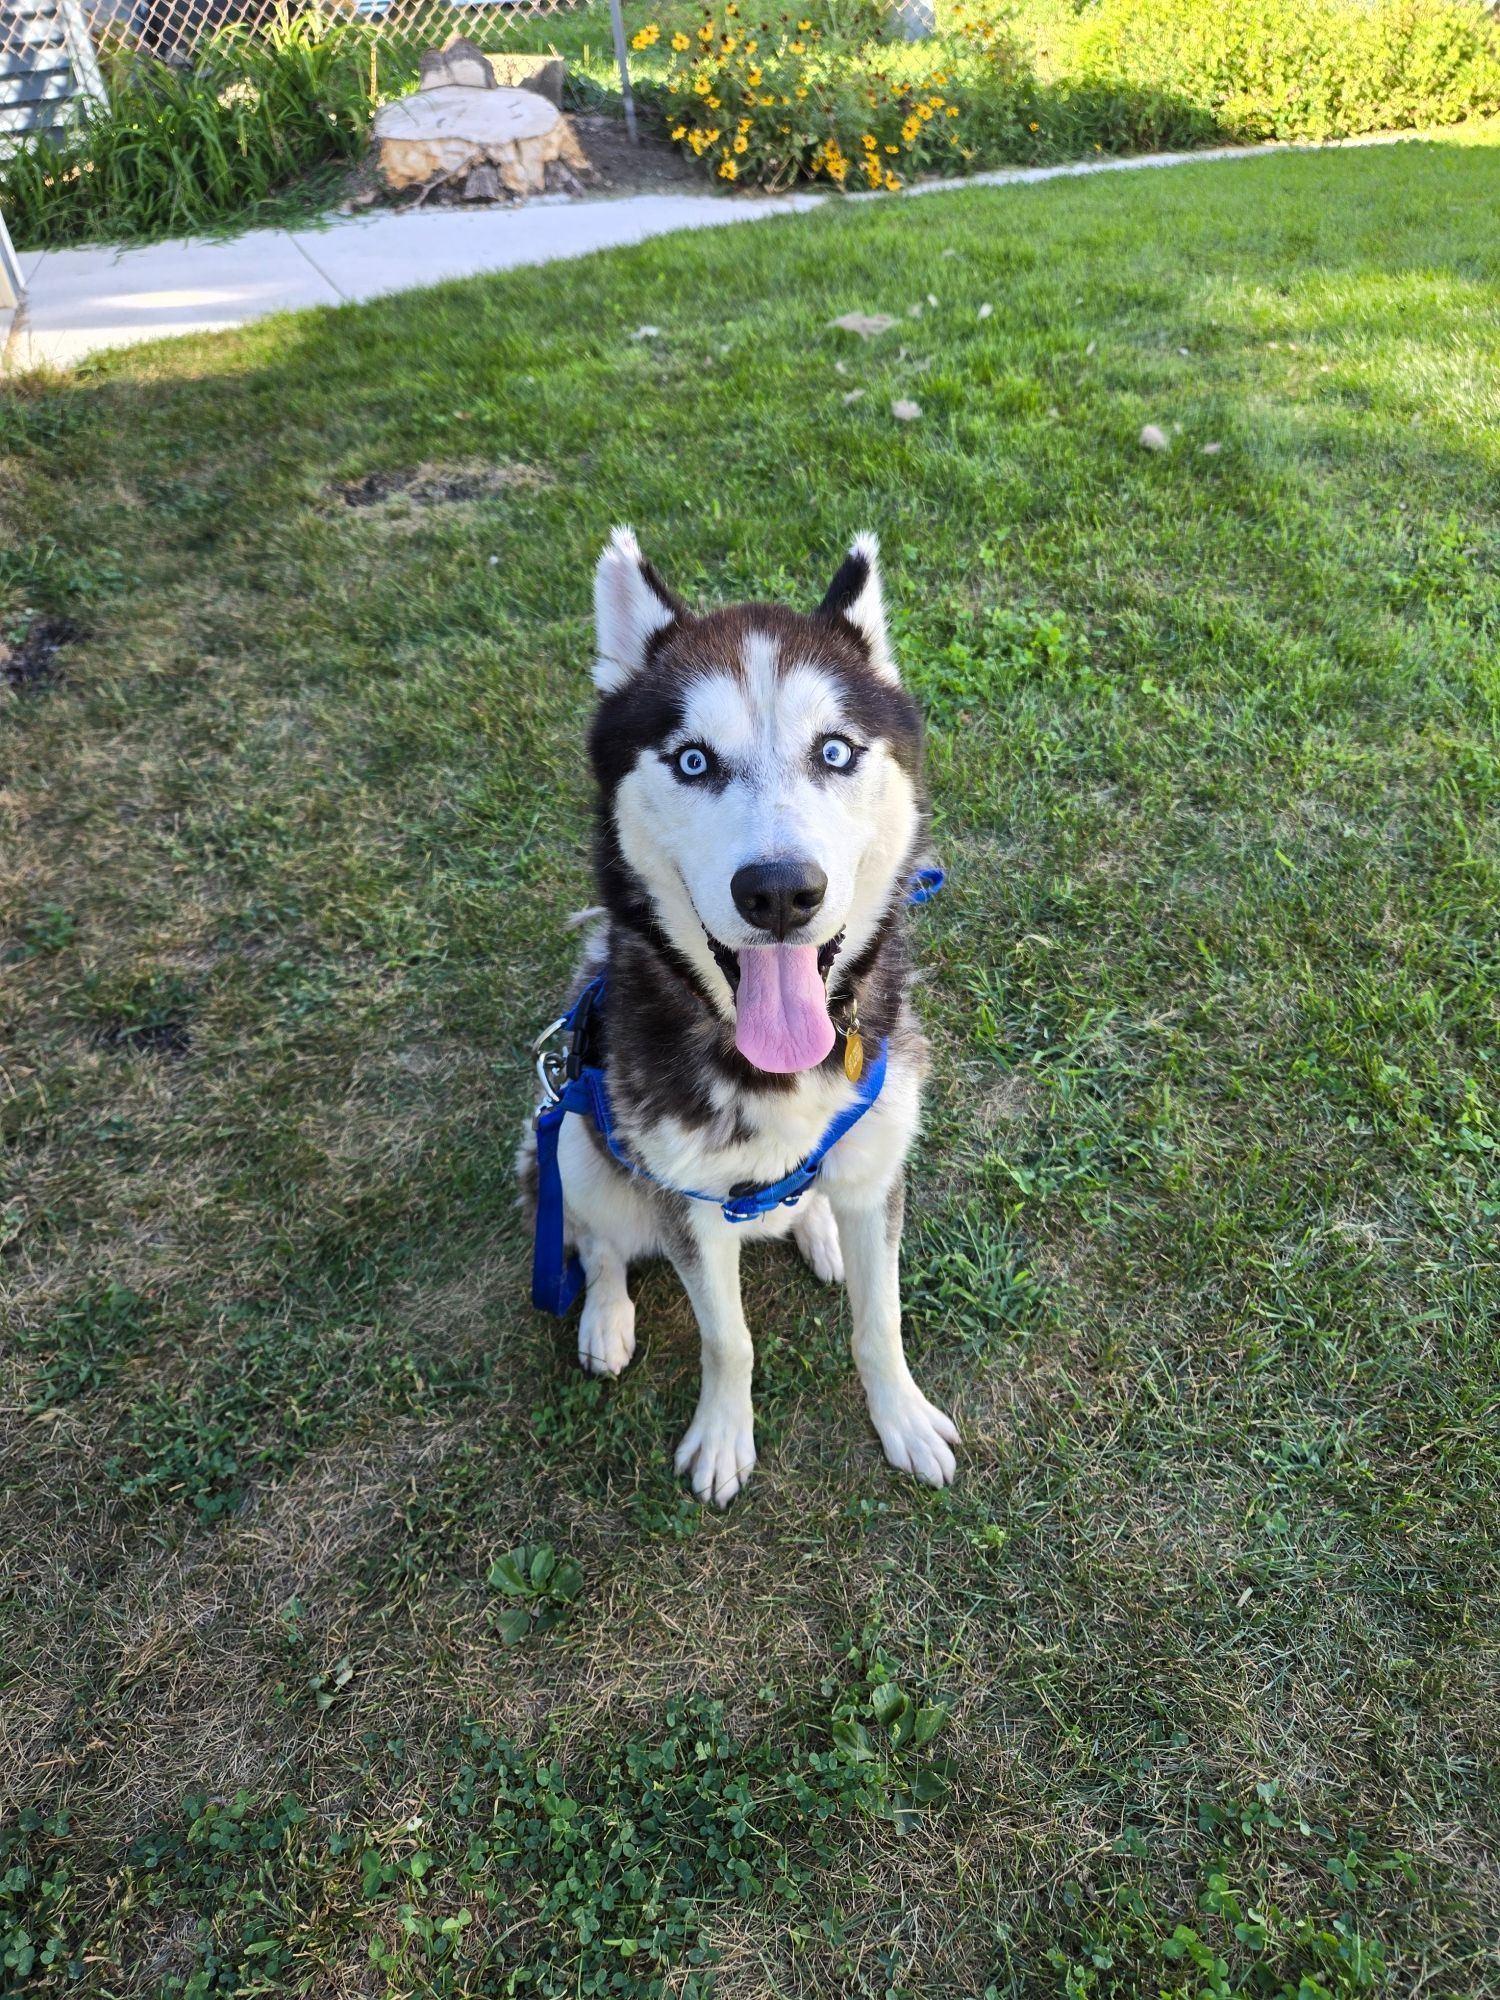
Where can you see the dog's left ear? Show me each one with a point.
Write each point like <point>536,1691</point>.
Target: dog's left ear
<point>631,605</point>
<point>855,596</point>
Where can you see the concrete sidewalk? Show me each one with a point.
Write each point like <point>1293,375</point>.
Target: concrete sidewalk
<point>79,301</point>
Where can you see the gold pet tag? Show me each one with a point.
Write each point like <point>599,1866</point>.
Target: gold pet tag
<point>854,1055</point>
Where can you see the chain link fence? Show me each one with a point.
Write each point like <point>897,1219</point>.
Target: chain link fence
<point>50,49</point>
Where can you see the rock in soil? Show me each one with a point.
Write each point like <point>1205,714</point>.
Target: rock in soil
<point>483,184</point>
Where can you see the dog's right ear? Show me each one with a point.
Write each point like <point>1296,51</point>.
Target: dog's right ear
<point>856,597</point>
<point>631,605</point>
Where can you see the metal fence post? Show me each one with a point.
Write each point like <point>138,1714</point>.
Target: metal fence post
<point>918,18</point>
<point>616,21</point>
<point>12,284</point>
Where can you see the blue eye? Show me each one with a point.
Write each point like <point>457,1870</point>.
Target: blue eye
<point>692,762</point>
<point>836,753</point>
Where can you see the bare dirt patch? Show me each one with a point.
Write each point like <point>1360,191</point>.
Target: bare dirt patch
<point>652,166</point>
<point>441,486</point>
<point>31,660</point>
<point>167,1038</point>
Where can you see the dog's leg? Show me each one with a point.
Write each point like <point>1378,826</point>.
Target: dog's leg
<point>719,1448</point>
<point>606,1333</point>
<point>816,1235</point>
<point>918,1437</point>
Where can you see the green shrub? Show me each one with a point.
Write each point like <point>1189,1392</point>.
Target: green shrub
<point>775,99</point>
<point>1297,69</point>
<point>185,149</point>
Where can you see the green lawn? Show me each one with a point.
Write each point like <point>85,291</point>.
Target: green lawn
<point>1204,1221</point>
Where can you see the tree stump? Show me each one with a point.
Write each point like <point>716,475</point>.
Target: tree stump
<point>442,134</point>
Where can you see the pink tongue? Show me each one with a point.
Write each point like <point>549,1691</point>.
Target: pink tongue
<point>782,1019</point>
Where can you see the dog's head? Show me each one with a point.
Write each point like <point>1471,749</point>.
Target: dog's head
<point>760,772</point>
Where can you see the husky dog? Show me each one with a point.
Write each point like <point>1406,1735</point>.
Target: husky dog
<point>760,817</point>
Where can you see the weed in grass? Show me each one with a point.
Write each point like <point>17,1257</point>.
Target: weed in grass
<point>541,1589</point>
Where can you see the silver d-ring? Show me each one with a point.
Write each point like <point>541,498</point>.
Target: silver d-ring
<point>547,1033</point>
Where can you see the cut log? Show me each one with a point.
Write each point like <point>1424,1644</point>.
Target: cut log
<point>442,134</point>
<point>458,61</point>
<point>546,75</point>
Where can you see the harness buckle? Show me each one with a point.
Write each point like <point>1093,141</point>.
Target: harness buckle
<point>551,1064</point>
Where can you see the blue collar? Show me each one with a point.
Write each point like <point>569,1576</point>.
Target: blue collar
<point>580,1088</point>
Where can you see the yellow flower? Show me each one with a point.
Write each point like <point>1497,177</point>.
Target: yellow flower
<point>702,85</point>
<point>801,90</point>
<point>680,41</point>
<point>729,45</point>
<point>910,130</point>
<point>744,125</point>
<point>731,8</point>
<point>752,77</point>
<point>868,142</point>
<point>728,171</point>
<point>804,26</point>
<point>742,144</point>
<point>710,136</point>
<point>891,183</point>
<point>952,110</point>
<point>796,48</point>
<point>713,104</point>
<point>706,32</point>
<point>679,131</point>
<point>924,112</point>
<point>1033,126</point>
<point>893,149</point>
<point>769,99</point>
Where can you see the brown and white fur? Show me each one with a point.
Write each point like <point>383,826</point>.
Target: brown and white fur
<point>710,744</point>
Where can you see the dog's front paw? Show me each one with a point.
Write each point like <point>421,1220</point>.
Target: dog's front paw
<point>719,1449</point>
<point>606,1334</point>
<point>918,1437</point>
<point>817,1237</point>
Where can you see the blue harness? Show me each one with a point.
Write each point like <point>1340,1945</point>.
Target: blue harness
<point>573,1085</point>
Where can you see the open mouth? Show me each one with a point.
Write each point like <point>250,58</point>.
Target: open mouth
<point>782,1023</point>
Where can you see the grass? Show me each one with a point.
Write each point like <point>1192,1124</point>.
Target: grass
<point>353,1642</point>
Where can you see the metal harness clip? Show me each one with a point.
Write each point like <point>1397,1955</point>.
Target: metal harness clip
<point>551,1064</point>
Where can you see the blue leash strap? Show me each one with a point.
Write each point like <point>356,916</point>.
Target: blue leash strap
<point>556,1278</point>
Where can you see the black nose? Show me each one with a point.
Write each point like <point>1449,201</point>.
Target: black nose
<point>777,896</point>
